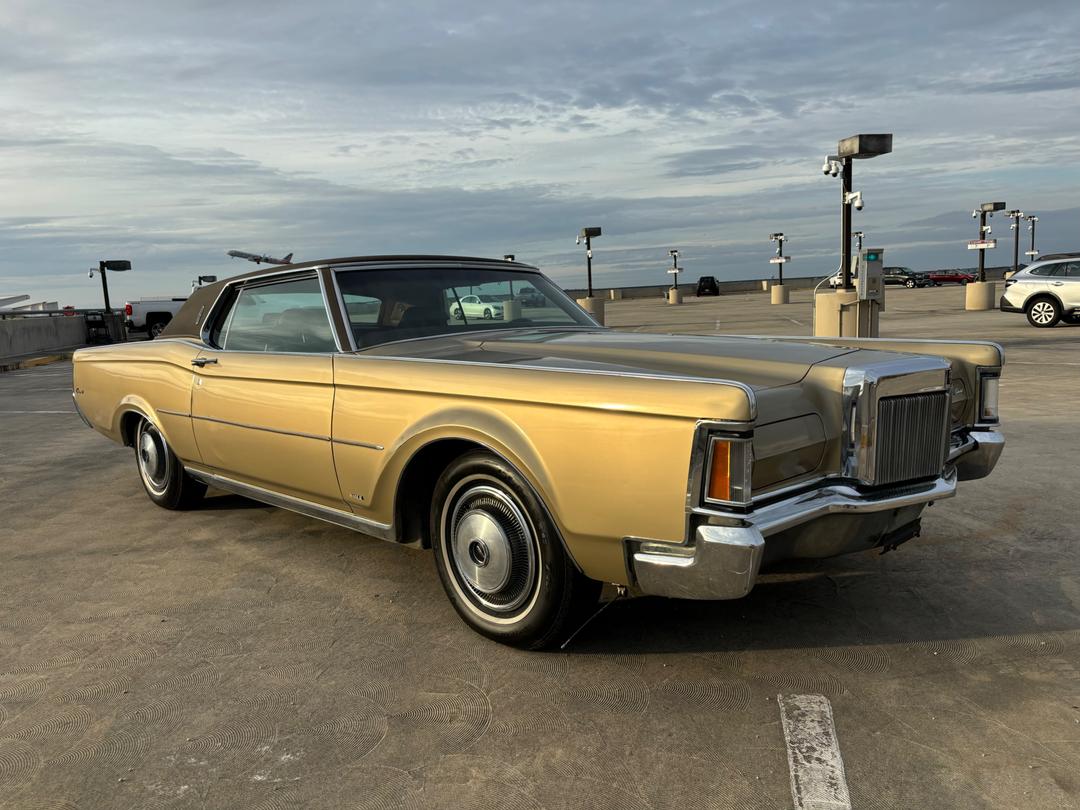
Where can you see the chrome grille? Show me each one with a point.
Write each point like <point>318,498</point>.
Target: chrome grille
<point>911,436</point>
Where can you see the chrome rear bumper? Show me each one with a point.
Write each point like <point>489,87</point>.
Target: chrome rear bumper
<point>723,560</point>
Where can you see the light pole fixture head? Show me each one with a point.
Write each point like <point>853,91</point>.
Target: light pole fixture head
<point>863,146</point>
<point>775,236</point>
<point>508,257</point>
<point>991,207</point>
<point>673,252</point>
<point>116,265</point>
<point>590,233</point>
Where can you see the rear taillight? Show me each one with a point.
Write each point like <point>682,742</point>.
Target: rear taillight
<point>127,309</point>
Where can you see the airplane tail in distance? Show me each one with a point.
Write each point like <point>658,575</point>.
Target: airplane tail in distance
<point>287,259</point>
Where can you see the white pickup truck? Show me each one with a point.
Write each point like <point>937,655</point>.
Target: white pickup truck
<point>151,315</point>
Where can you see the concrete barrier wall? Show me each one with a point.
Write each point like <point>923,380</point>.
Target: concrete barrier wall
<point>20,336</point>
<point>689,288</point>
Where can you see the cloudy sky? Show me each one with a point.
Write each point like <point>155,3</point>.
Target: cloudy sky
<point>168,133</point>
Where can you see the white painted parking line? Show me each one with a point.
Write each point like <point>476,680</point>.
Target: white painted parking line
<point>818,781</point>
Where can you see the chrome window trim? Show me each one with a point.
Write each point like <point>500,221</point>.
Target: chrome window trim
<point>497,329</point>
<point>261,281</point>
<point>421,265</point>
<point>344,310</point>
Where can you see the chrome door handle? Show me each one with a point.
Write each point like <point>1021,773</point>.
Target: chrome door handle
<point>204,361</point>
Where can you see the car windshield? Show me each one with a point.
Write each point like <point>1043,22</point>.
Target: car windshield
<point>385,305</point>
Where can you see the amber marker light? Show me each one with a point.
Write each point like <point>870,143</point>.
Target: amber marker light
<point>730,468</point>
<point>720,471</point>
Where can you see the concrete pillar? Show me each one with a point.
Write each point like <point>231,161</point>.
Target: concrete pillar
<point>511,310</point>
<point>616,295</point>
<point>980,295</point>
<point>842,314</point>
<point>674,295</point>
<point>780,294</point>
<point>594,306</point>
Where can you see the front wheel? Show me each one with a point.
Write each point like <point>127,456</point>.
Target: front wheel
<point>1044,313</point>
<point>963,282</point>
<point>909,284</point>
<point>500,558</point>
<point>162,474</point>
<point>487,314</point>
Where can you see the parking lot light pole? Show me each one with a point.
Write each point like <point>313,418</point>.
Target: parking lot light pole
<point>779,239</point>
<point>1015,215</point>
<point>1032,219</point>
<point>587,234</point>
<point>983,211</point>
<point>116,265</point>
<point>856,147</point>
<point>594,306</point>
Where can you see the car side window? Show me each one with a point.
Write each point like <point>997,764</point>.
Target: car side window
<point>1072,270</point>
<point>1049,270</point>
<point>287,316</point>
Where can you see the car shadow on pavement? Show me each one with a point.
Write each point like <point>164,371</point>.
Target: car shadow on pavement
<point>836,606</point>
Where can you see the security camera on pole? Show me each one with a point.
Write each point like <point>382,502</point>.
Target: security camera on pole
<point>979,295</point>
<point>779,294</point>
<point>851,311</point>
<point>674,296</point>
<point>1032,253</point>
<point>591,304</point>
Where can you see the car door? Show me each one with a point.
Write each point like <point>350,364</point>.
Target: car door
<point>1067,285</point>
<point>263,395</point>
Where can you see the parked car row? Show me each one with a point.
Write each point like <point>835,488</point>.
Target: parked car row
<point>906,277</point>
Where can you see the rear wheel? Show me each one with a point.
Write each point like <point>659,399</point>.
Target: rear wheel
<point>156,326</point>
<point>909,283</point>
<point>500,558</point>
<point>1043,313</point>
<point>163,477</point>
<point>487,314</point>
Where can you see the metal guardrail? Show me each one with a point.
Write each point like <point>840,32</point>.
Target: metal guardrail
<point>53,313</point>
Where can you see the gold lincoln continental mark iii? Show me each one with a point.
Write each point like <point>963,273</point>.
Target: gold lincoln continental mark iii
<point>469,406</point>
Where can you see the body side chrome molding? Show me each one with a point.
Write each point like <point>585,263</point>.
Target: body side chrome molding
<point>383,531</point>
<point>315,436</point>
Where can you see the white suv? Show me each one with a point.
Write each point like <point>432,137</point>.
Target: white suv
<point>1046,291</point>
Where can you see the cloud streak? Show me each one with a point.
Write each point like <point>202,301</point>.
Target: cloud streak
<point>168,134</point>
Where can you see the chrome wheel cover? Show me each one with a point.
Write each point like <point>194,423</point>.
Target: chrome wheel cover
<point>1042,312</point>
<point>154,460</point>
<point>490,547</point>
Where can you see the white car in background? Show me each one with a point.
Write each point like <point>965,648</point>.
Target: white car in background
<point>1047,291</point>
<point>478,306</point>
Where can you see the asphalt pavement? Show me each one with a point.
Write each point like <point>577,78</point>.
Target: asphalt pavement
<point>240,656</point>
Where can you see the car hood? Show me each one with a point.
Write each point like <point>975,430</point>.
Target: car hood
<point>757,362</point>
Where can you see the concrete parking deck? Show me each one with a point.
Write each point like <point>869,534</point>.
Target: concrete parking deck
<point>240,656</point>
